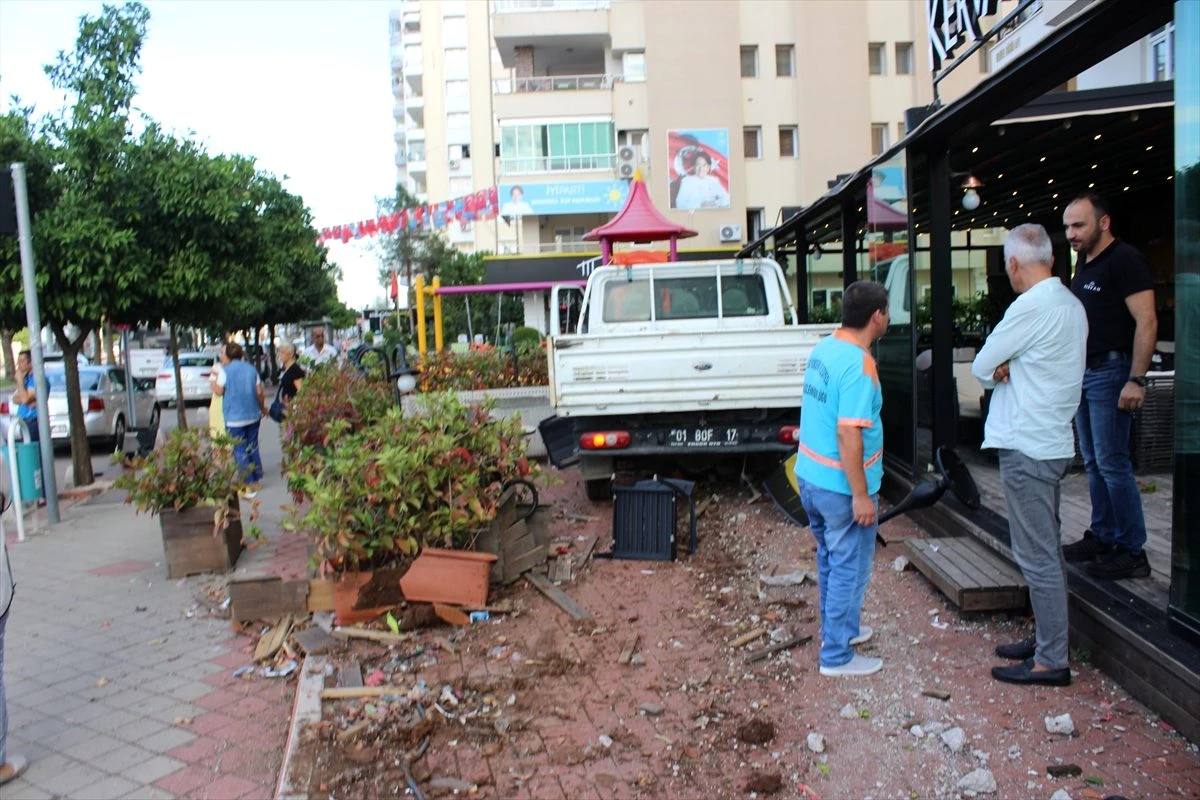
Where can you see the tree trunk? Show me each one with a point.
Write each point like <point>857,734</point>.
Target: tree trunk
<point>180,405</point>
<point>271,351</point>
<point>111,336</point>
<point>10,365</point>
<point>81,454</point>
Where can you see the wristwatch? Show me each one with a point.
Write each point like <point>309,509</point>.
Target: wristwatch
<point>1140,380</point>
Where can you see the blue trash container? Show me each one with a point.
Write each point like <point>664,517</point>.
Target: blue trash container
<point>29,470</point>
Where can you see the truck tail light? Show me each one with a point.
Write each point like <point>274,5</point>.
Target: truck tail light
<point>95,404</point>
<point>165,376</point>
<point>789,434</point>
<point>604,440</point>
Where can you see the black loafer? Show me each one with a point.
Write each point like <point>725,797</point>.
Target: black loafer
<point>1018,651</point>
<point>1024,673</point>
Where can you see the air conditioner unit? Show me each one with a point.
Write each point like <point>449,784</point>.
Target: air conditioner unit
<point>730,233</point>
<point>455,163</point>
<point>627,159</point>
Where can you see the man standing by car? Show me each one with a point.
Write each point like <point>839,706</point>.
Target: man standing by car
<point>840,468</point>
<point>1034,362</point>
<point>243,406</point>
<point>1116,287</point>
<point>25,396</point>
<point>318,353</point>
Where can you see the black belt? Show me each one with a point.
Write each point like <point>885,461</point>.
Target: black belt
<point>1096,359</point>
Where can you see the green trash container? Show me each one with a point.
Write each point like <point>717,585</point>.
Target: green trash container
<point>29,470</point>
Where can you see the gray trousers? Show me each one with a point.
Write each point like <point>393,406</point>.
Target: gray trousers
<point>1031,495</point>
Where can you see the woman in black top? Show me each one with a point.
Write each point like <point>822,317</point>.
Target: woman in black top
<point>292,377</point>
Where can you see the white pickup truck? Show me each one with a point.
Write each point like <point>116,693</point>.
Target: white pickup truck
<point>714,366</point>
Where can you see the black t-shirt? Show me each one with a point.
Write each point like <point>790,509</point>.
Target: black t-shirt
<point>1102,285</point>
<point>287,381</point>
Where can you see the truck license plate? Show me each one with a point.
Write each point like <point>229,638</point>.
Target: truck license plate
<point>703,437</point>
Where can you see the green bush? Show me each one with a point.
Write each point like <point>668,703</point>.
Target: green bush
<point>526,336</point>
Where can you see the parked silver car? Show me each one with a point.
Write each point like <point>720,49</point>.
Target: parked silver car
<point>195,369</point>
<point>105,404</point>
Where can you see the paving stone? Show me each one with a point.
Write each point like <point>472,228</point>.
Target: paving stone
<point>147,792</point>
<point>149,771</point>
<point>93,748</point>
<point>108,787</point>
<point>67,779</point>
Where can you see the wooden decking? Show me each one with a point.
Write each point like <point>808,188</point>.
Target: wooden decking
<point>969,573</point>
<point>1076,512</point>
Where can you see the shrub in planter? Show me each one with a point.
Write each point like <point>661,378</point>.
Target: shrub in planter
<point>403,483</point>
<point>343,395</point>
<point>485,369</point>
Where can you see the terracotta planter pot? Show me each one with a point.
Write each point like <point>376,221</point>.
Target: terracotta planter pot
<point>363,596</point>
<point>191,543</point>
<point>457,577</point>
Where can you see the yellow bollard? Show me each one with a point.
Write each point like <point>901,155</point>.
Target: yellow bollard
<point>437,313</point>
<point>419,286</point>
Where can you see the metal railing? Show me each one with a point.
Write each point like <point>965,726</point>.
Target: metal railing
<point>530,6</point>
<point>533,164</point>
<point>556,83</point>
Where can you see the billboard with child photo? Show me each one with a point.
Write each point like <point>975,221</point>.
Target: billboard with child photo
<point>698,168</point>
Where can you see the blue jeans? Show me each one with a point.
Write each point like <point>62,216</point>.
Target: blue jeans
<point>845,551</point>
<point>1104,442</point>
<point>245,451</point>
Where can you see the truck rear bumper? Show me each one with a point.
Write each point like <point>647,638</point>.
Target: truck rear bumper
<point>676,436</point>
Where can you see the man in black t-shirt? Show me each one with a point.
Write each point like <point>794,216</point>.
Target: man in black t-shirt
<point>1116,287</point>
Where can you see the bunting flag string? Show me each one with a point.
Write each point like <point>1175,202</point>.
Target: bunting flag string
<point>481,205</point>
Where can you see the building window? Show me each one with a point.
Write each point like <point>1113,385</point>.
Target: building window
<point>785,60</point>
<point>879,137</point>
<point>457,65</point>
<point>633,65</point>
<point>754,223</point>
<point>458,120</point>
<point>904,58</point>
<point>460,186</point>
<point>901,130</point>
<point>787,141</point>
<point>1162,53</point>
<point>749,61</point>
<point>454,32</point>
<point>985,58</point>
<point>454,8</point>
<point>877,58</point>
<point>818,296</point>
<point>557,147</point>
<point>752,141</point>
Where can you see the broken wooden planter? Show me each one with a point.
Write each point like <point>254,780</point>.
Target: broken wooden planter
<point>455,577</point>
<point>204,538</point>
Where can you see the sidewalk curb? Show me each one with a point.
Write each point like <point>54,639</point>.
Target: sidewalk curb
<point>306,710</point>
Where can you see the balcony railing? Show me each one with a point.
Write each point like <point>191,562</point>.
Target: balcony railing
<point>557,83</point>
<point>533,164</point>
<point>531,6</point>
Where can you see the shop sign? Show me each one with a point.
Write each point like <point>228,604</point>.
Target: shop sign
<point>951,22</point>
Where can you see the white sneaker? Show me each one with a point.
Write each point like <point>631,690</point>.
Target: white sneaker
<point>859,665</point>
<point>865,632</point>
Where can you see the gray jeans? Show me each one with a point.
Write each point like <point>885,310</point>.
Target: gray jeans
<point>1031,495</point>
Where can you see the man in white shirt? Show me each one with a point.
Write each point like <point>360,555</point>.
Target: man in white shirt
<point>1034,361</point>
<point>318,352</point>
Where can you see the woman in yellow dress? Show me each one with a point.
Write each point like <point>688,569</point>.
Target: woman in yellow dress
<point>216,419</point>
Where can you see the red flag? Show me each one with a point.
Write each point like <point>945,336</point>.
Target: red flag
<point>395,286</point>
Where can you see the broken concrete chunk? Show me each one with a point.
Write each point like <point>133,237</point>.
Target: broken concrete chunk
<point>1061,794</point>
<point>784,575</point>
<point>452,784</point>
<point>651,709</point>
<point>848,712</point>
<point>1060,724</point>
<point>816,742</point>
<point>900,564</point>
<point>954,739</point>
<point>980,781</point>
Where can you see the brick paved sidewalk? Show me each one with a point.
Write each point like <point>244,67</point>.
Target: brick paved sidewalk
<point>120,682</point>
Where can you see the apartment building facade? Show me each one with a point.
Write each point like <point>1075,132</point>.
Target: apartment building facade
<point>571,97</point>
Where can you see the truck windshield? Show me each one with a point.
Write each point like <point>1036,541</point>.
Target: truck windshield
<point>685,298</point>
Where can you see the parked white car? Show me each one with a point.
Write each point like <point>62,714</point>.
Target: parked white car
<point>105,405</point>
<point>195,369</point>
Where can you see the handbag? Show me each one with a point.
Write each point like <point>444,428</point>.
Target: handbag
<point>276,411</point>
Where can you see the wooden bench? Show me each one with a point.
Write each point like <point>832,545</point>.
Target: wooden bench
<point>973,576</point>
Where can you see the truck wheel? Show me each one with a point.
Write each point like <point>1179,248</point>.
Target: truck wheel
<point>599,489</point>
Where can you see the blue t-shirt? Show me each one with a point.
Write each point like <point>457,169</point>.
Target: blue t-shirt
<point>27,412</point>
<point>841,387</point>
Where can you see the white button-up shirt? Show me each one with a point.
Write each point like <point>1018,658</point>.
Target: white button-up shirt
<point>1043,337</point>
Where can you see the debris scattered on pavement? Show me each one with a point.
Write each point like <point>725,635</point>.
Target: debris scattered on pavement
<point>756,731</point>
<point>1064,770</point>
<point>979,781</point>
<point>937,694</point>
<point>1060,724</point>
<point>816,742</point>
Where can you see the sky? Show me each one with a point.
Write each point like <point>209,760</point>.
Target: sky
<point>303,86</point>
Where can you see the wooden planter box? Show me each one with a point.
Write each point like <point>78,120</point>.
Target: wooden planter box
<point>191,543</point>
<point>518,537</point>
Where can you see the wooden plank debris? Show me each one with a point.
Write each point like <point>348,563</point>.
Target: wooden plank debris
<point>969,573</point>
<point>627,651</point>
<point>451,614</point>
<point>272,640</point>
<point>266,597</point>
<point>557,596</point>
<point>350,676</point>
<point>315,641</point>
<point>937,694</point>
<point>382,637</point>
<point>353,692</point>
<point>748,637</point>
<point>770,650</point>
